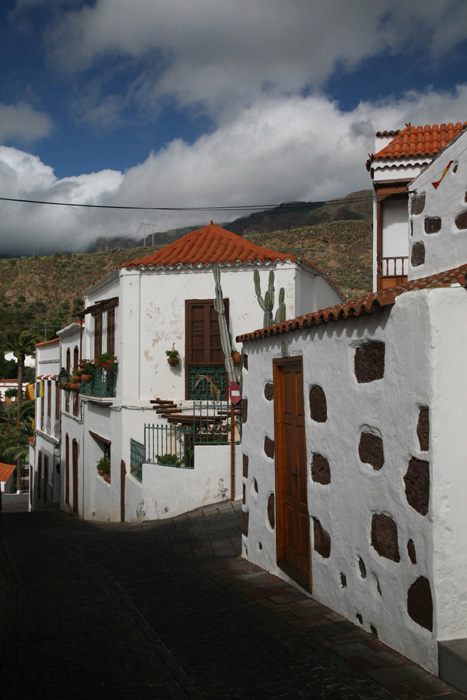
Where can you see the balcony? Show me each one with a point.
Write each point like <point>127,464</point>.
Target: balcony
<point>102,385</point>
<point>393,271</point>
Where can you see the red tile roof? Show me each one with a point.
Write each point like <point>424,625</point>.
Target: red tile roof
<point>209,245</point>
<point>362,306</point>
<point>416,142</point>
<point>6,470</point>
<point>47,342</point>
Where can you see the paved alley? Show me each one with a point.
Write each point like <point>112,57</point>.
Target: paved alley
<point>170,610</point>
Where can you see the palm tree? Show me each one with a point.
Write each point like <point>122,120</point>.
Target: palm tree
<point>22,345</point>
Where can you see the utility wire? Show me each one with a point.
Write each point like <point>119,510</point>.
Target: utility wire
<point>233,207</point>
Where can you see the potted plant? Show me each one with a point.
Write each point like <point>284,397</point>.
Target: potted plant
<point>87,369</point>
<point>236,357</point>
<point>173,356</point>
<point>75,379</point>
<point>106,360</point>
<point>103,468</point>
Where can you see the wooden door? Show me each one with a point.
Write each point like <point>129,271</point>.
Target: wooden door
<point>46,477</point>
<point>75,476</point>
<point>293,521</point>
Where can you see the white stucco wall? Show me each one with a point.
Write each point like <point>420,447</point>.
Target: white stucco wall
<point>423,368</point>
<point>448,247</point>
<point>395,229</point>
<point>166,492</point>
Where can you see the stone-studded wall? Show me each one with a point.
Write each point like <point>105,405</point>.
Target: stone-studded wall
<point>438,215</point>
<point>371,402</point>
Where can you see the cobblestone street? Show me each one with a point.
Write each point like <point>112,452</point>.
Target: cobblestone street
<point>170,610</point>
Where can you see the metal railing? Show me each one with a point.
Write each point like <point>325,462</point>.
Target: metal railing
<point>137,459</point>
<point>103,384</point>
<point>174,444</point>
<point>171,445</point>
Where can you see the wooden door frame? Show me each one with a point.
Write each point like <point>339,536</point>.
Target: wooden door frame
<point>75,471</point>
<point>280,468</point>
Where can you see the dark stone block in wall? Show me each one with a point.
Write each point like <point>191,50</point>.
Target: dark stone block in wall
<point>420,603</point>
<point>432,224</point>
<point>418,204</point>
<point>370,450</point>
<point>384,536</point>
<point>411,552</point>
<point>244,410</point>
<point>244,494</point>
<point>461,221</point>
<point>423,429</point>
<point>269,391</point>
<point>318,404</point>
<point>271,511</point>
<point>245,523</point>
<point>418,254</point>
<point>417,485</point>
<point>362,567</point>
<point>369,361</point>
<point>320,471</point>
<point>269,447</point>
<point>322,539</point>
<point>245,361</point>
<point>245,466</point>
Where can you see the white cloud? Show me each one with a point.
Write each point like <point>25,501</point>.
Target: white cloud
<point>278,149</point>
<point>22,122</point>
<point>223,54</point>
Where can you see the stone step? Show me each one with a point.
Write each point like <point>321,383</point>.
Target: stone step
<point>452,657</point>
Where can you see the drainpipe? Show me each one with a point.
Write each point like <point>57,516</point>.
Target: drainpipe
<point>232,452</point>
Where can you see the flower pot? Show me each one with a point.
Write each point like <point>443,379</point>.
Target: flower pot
<point>86,378</point>
<point>173,361</point>
<point>74,386</point>
<point>108,366</point>
<point>237,358</point>
<point>107,478</point>
<point>100,472</point>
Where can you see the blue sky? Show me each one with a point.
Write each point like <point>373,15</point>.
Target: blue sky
<point>198,103</point>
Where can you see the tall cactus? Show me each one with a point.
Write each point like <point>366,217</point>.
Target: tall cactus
<point>281,310</point>
<point>226,340</point>
<point>267,304</point>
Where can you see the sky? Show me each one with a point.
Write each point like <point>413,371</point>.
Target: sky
<point>190,105</point>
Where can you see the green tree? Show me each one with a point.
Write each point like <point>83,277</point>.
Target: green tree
<point>22,345</point>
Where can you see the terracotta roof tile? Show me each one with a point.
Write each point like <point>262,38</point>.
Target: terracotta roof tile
<point>209,245</point>
<point>6,470</point>
<point>47,342</point>
<point>362,306</point>
<point>416,142</point>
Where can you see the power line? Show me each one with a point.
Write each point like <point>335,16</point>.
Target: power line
<point>233,207</point>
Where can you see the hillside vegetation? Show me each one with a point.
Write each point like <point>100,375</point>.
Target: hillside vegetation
<point>44,294</point>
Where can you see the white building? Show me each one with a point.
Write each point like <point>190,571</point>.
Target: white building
<point>354,440</point>
<point>138,312</point>
<point>399,158</point>
<point>45,465</point>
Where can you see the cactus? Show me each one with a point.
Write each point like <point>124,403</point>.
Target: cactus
<point>267,304</point>
<point>280,313</point>
<point>226,340</point>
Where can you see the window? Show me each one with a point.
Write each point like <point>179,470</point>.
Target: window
<point>111,331</point>
<point>97,334</point>
<point>49,398</point>
<point>204,357</point>
<point>75,393</point>
<point>68,369</point>
<point>57,401</point>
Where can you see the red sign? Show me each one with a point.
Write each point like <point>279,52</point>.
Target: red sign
<point>235,393</point>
